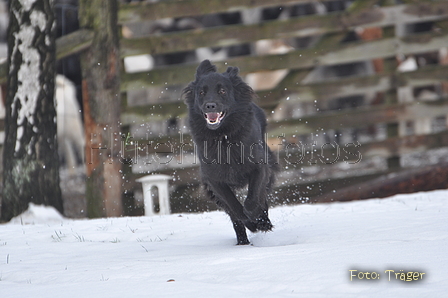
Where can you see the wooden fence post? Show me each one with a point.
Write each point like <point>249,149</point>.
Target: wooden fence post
<point>101,101</point>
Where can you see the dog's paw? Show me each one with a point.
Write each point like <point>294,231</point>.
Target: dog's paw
<point>243,241</point>
<point>251,226</point>
<point>264,223</point>
<point>260,223</point>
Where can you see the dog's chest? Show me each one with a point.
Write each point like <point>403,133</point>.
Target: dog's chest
<point>226,160</point>
<point>224,151</point>
<point>232,174</point>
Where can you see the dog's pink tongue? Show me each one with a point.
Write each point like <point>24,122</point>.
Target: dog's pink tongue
<point>212,116</point>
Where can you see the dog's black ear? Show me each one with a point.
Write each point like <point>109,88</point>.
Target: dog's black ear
<point>204,68</point>
<point>243,92</point>
<point>187,94</point>
<point>233,71</point>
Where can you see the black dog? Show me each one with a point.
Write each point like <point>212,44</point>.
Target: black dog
<point>229,131</point>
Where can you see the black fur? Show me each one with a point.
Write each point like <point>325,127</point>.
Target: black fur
<point>228,129</point>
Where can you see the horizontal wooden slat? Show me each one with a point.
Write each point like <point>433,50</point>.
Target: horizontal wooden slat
<point>303,26</point>
<point>424,178</point>
<point>145,11</point>
<point>152,112</point>
<point>331,153</point>
<point>429,75</point>
<point>233,34</point>
<point>73,43</point>
<point>403,145</point>
<point>359,117</point>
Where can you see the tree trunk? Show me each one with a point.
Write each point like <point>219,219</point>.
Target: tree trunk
<point>101,101</point>
<point>31,162</point>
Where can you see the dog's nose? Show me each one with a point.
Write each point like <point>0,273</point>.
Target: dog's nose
<point>211,106</point>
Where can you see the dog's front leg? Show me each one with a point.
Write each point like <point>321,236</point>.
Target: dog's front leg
<point>256,205</point>
<point>238,225</point>
<point>224,193</point>
<point>226,199</point>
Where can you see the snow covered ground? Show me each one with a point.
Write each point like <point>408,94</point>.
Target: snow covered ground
<point>309,253</point>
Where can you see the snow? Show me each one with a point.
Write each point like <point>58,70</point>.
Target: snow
<point>26,4</point>
<point>138,63</point>
<point>38,214</point>
<point>308,254</point>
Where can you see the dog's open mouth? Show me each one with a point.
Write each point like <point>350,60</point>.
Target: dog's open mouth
<point>214,118</point>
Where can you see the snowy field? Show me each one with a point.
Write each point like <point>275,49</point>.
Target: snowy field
<point>309,253</point>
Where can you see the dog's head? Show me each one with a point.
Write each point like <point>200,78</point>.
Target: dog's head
<point>215,96</point>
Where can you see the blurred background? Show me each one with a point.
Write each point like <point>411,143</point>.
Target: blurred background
<point>355,93</point>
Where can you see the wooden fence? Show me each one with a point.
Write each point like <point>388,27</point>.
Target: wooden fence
<point>346,110</point>
<point>383,115</point>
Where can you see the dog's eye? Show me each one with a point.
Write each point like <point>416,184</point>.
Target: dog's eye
<point>222,91</point>
<point>202,92</point>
